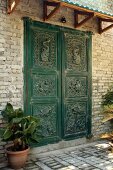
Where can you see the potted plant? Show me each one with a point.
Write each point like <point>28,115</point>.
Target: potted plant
<point>107,105</point>
<point>21,130</point>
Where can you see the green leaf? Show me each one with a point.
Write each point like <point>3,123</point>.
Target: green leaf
<point>19,132</point>
<point>20,126</point>
<point>36,138</point>
<point>7,134</point>
<point>19,112</point>
<point>7,113</point>
<point>31,128</point>
<point>108,98</point>
<point>2,130</point>
<point>32,118</point>
<point>16,120</point>
<point>9,107</point>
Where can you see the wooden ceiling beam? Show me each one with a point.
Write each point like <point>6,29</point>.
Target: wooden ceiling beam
<point>56,6</point>
<point>100,20</point>
<point>12,5</point>
<point>77,13</point>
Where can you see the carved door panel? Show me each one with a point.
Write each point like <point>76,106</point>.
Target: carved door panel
<point>57,80</point>
<point>44,79</point>
<point>76,82</point>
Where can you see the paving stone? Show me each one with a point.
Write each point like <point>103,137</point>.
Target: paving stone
<point>71,167</point>
<point>43,166</point>
<point>85,165</point>
<point>84,158</point>
<point>31,166</point>
<point>53,164</point>
<point>57,166</point>
<point>50,162</point>
<point>61,161</point>
<point>67,158</point>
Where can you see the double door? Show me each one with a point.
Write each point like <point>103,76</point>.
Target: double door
<point>58,80</point>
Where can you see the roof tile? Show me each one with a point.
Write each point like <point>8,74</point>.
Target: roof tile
<point>101,6</point>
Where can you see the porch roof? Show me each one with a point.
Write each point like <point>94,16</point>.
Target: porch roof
<point>100,6</point>
<point>102,9</point>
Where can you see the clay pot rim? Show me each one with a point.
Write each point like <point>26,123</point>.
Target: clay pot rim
<point>16,152</point>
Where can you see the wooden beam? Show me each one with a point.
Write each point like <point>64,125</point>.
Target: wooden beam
<point>88,14</point>
<point>12,5</point>
<point>100,20</point>
<point>56,6</point>
<point>106,19</point>
<point>72,6</point>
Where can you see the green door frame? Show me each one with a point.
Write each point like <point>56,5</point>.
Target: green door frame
<point>28,24</point>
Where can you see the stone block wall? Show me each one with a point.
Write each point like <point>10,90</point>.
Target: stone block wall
<point>11,57</point>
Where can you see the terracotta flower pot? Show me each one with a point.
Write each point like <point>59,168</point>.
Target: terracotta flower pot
<point>17,159</point>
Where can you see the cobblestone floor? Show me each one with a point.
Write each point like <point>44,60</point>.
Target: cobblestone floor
<point>95,156</point>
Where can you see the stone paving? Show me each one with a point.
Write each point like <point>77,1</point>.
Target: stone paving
<point>95,156</point>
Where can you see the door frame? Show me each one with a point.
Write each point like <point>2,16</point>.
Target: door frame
<point>30,23</point>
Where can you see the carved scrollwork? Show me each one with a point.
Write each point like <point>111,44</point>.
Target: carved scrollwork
<point>47,115</point>
<point>75,118</point>
<point>76,57</point>
<point>44,85</point>
<point>44,49</point>
<point>76,52</point>
<point>81,124</point>
<point>75,86</point>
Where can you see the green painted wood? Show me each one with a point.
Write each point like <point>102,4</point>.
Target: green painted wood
<point>43,79</point>
<point>57,80</point>
<point>76,80</point>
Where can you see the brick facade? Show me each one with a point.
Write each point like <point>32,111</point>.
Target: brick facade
<point>11,57</point>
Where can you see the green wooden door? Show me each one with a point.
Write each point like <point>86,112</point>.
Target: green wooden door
<point>76,81</point>
<point>57,87</point>
<point>43,86</point>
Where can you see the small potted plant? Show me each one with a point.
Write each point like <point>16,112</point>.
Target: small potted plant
<point>107,105</point>
<point>21,130</point>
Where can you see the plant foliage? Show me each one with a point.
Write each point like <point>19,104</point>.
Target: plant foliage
<point>108,98</point>
<point>21,129</point>
<point>107,105</point>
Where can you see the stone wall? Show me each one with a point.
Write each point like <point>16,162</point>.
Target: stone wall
<point>11,57</point>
